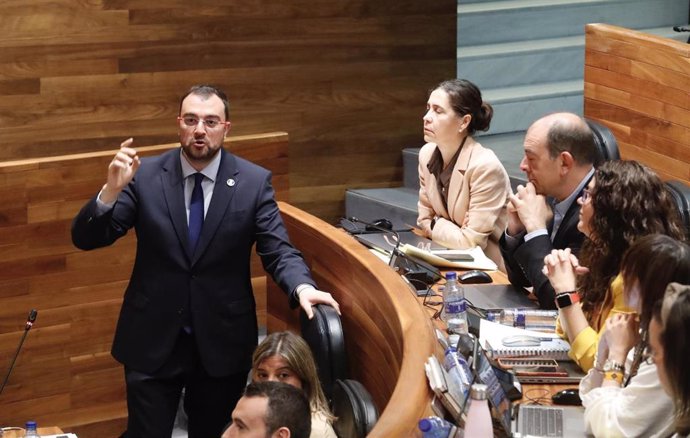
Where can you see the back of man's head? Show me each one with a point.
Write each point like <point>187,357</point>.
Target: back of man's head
<point>570,133</point>
<point>287,407</point>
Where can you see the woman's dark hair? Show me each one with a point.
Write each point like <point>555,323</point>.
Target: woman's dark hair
<point>465,98</point>
<point>651,263</point>
<point>674,316</point>
<point>629,201</point>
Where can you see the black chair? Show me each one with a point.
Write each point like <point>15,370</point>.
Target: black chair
<point>324,335</point>
<point>354,408</point>
<point>605,141</point>
<point>680,192</point>
<point>349,400</point>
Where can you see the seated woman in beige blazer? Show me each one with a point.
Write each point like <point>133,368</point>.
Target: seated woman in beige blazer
<point>463,187</point>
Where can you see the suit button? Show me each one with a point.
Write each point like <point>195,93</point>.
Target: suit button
<point>180,312</point>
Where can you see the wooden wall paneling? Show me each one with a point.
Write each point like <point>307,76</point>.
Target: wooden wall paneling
<point>639,86</point>
<point>348,76</point>
<point>65,375</point>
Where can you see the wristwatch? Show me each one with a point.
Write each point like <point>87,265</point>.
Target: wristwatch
<point>612,365</point>
<point>566,299</point>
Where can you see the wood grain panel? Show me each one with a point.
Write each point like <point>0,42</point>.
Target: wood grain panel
<point>65,375</point>
<point>348,77</point>
<point>388,334</point>
<point>639,86</point>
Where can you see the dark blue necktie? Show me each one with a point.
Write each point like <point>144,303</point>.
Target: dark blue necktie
<point>196,211</point>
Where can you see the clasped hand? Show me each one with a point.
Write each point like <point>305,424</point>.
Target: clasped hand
<point>527,211</point>
<point>562,268</point>
<point>621,334</point>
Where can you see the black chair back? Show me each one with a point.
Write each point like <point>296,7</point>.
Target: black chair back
<point>681,195</point>
<point>324,335</point>
<point>354,408</point>
<point>605,141</point>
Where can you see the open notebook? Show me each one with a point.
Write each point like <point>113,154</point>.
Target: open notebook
<point>504,341</point>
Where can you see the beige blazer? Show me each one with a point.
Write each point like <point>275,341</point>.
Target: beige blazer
<point>477,198</point>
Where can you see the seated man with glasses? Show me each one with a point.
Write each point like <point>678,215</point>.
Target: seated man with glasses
<point>543,215</point>
<point>188,317</point>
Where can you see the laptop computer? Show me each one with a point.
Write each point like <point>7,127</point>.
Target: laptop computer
<point>523,420</point>
<point>498,296</point>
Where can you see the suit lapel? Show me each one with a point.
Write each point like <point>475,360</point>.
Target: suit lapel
<point>223,191</point>
<point>457,180</point>
<point>173,191</point>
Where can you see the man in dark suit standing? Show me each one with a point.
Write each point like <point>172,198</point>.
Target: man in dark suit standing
<point>188,317</point>
<point>543,214</point>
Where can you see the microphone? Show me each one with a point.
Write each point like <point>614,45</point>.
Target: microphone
<point>415,270</point>
<point>384,230</point>
<point>29,323</point>
<point>681,29</point>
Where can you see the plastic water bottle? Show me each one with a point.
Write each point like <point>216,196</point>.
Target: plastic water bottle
<point>478,423</point>
<point>454,307</point>
<point>435,427</point>
<point>528,319</point>
<point>31,431</point>
<point>459,375</point>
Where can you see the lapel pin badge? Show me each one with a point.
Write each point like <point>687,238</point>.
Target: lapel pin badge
<point>230,182</point>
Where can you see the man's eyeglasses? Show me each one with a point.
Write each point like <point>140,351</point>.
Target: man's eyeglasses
<point>210,123</point>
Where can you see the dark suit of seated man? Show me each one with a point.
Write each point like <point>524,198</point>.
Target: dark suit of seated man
<point>188,318</point>
<point>543,215</point>
<point>271,409</point>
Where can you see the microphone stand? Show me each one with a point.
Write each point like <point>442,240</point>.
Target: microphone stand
<point>29,323</point>
<point>385,231</point>
<point>398,258</point>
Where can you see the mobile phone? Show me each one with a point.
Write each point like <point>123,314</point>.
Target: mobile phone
<point>540,371</point>
<point>454,256</point>
<point>525,362</point>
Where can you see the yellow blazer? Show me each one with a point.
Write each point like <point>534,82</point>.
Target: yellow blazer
<point>477,199</point>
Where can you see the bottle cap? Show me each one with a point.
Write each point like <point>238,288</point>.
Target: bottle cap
<point>31,425</point>
<point>451,275</point>
<point>424,425</point>
<point>478,391</point>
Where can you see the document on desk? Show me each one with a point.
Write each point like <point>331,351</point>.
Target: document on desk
<point>500,340</point>
<point>479,259</point>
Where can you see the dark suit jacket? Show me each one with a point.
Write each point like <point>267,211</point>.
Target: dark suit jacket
<point>212,286</point>
<point>525,262</point>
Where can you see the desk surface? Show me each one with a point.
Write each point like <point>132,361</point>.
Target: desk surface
<point>531,392</point>
<point>41,431</point>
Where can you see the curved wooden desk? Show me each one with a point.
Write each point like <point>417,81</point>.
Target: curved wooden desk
<point>388,334</point>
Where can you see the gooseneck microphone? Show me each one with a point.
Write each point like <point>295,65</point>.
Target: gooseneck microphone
<point>396,236</point>
<point>29,323</point>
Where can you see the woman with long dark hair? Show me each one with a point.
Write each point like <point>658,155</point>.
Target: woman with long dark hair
<point>631,401</point>
<point>624,201</point>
